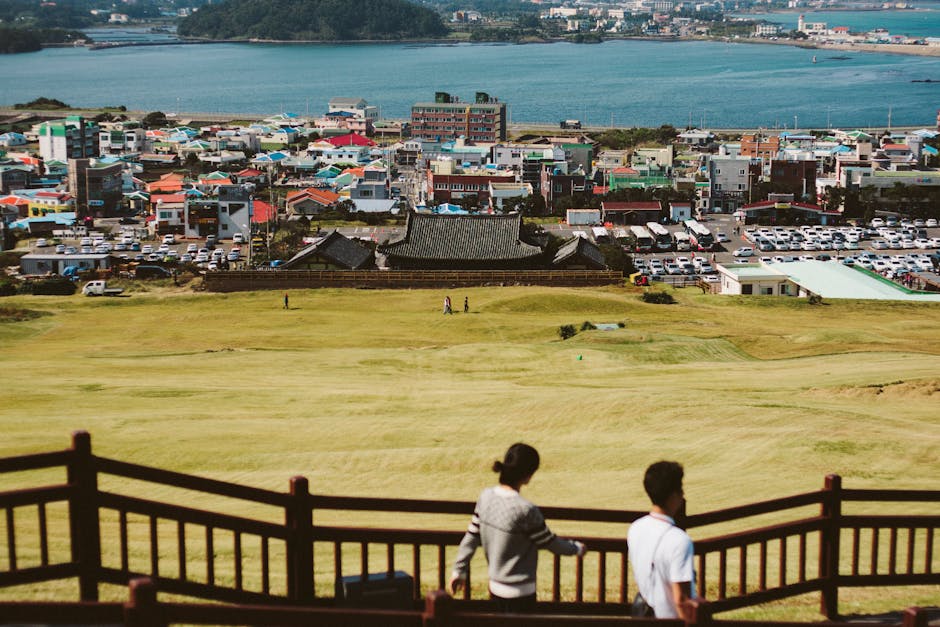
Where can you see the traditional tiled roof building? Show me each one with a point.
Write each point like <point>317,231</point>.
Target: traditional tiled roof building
<point>462,242</point>
<point>333,251</point>
<point>579,253</point>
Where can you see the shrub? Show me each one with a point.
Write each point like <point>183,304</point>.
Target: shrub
<point>53,287</point>
<point>566,331</point>
<point>7,288</point>
<point>11,257</point>
<point>587,326</point>
<point>658,298</point>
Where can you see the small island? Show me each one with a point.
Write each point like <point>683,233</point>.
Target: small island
<point>313,20</point>
<point>13,40</point>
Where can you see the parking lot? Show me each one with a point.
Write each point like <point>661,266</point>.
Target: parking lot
<point>132,244</point>
<point>889,248</point>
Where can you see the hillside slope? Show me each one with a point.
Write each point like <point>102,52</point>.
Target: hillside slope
<point>313,20</point>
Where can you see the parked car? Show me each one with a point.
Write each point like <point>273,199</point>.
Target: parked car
<point>60,249</point>
<point>722,237</point>
<point>238,238</point>
<point>744,251</point>
<point>41,242</point>
<point>146,249</point>
<point>169,238</point>
<point>152,272</point>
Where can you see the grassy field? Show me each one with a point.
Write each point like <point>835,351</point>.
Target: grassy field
<point>374,393</point>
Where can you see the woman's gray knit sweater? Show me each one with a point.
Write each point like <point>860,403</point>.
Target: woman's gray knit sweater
<point>511,530</point>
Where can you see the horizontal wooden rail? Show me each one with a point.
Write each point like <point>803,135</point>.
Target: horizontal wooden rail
<point>419,506</point>
<point>35,496</point>
<point>35,461</point>
<point>62,613</point>
<point>888,521</point>
<point>180,513</point>
<point>287,616</point>
<point>193,589</point>
<point>753,509</point>
<point>36,574</point>
<point>753,536</point>
<point>891,495</point>
<point>189,482</point>
<point>386,536</point>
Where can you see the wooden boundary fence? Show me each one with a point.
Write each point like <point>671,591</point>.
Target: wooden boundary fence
<point>403,279</point>
<point>143,609</point>
<point>819,552</point>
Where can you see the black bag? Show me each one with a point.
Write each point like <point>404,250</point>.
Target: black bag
<point>640,608</point>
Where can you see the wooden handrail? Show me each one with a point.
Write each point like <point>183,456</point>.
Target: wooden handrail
<point>775,543</point>
<point>189,482</point>
<point>34,461</point>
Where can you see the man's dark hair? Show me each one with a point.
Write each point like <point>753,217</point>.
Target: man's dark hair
<point>661,480</point>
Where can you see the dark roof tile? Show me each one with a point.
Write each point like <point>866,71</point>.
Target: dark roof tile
<point>462,237</point>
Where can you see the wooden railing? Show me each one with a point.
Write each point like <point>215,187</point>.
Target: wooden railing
<point>143,609</point>
<point>239,559</point>
<point>233,281</point>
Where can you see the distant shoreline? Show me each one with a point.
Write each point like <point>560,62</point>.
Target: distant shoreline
<point>898,49</point>
<point>186,117</point>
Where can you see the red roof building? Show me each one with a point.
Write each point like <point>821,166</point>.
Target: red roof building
<point>352,139</point>
<point>262,211</point>
<point>630,212</point>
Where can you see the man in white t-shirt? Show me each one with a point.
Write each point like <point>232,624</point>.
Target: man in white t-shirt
<point>661,553</point>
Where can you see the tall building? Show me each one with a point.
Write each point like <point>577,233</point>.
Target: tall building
<point>71,138</point>
<point>448,118</point>
<point>96,186</point>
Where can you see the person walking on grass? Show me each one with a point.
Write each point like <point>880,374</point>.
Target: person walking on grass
<point>447,308</point>
<point>466,304</point>
<point>511,531</point>
<point>286,301</point>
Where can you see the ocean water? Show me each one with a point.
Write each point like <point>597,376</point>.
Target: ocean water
<point>624,83</point>
<point>923,21</point>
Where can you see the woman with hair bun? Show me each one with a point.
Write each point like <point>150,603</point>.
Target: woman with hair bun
<point>511,531</point>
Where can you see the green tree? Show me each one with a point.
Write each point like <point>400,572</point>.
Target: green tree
<point>154,119</point>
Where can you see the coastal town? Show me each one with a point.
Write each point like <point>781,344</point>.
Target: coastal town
<point>171,193</point>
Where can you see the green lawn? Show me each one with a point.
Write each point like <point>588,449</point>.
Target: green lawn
<point>375,393</point>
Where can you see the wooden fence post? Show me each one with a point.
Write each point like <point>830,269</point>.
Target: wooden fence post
<point>83,516</point>
<point>914,617</point>
<point>141,609</point>
<point>697,613</point>
<point>299,520</point>
<point>829,553</point>
<point>438,606</point>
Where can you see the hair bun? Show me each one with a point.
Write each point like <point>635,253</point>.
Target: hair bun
<point>498,466</point>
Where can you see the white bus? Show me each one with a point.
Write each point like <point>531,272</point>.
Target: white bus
<point>640,240</point>
<point>601,236</point>
<point>681,241</point>
<point>661,238</point>
<point>699,235</point>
